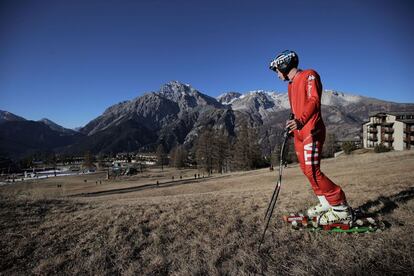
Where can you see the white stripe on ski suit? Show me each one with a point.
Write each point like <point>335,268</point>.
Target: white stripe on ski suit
<point>310,153</point>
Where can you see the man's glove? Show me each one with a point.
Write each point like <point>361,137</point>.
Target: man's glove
<point>299,125</point>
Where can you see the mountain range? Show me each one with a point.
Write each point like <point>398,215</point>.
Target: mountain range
<point>20,137</point>
<point>176,114</point>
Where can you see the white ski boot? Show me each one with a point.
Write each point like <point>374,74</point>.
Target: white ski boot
<point>318,209</point>
<point>337,214</point>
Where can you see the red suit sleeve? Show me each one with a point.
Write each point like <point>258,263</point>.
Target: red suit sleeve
<point>313,90</point>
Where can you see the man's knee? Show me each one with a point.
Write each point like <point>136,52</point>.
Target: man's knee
<point>312,172</point>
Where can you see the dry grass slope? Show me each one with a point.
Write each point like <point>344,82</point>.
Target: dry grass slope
<point>213,227</point>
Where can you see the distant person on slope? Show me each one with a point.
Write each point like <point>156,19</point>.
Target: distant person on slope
<point>305,91</point>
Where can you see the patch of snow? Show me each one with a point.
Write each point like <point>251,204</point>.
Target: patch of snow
<point>335,98</point>
<point>229,102</point>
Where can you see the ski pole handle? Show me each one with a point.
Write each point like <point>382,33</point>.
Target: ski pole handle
<point>287,129</point>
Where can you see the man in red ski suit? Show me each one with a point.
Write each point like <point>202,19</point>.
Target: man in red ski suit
<point>305,91</point>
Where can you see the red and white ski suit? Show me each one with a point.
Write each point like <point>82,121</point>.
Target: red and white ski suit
<point>305,91</point>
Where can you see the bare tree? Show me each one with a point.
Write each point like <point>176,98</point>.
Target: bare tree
<point>88,160</point>
<point>52,160</point>
<point>221,151</point>
<point>241,149</point>
<point>329,147</point>
<point>247,152</point>
<point>204,150</point>
<point>255,152</point>
<point>178,156</point>
<point>161,156</point>
<point>101,161</point>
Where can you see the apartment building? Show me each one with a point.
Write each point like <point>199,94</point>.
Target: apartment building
<point>393,129</point>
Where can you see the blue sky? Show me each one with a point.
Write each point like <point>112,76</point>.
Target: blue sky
<point>70,60</point>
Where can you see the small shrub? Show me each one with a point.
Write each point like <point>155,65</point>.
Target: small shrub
<point>348,147</point>
<point>381,148</point>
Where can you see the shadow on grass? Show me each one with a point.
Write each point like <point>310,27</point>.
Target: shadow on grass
<point>384,205</point>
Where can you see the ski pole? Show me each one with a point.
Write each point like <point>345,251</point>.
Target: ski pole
<point>275,194</point>
<point>281,160</point>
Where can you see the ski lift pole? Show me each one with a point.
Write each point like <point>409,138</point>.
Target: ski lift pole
<point>272,203</point>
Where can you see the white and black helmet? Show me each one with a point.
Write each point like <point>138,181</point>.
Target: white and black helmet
<point>284,62</point>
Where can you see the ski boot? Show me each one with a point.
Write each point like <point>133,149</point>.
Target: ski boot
<point>318,209</point>
<point>337,216</point>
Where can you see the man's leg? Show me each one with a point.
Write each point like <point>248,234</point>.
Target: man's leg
<point>301,159</point>
<point>320,183</point>
<point>323,205</point>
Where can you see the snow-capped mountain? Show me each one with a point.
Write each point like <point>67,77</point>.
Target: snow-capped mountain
<point>259,102</point>
<point>343,113</point>
<point>228,97</point>
<point>335,98</point>
<point>272,101</point>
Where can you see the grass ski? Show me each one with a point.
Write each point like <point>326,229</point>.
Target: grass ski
<point>362,223</point>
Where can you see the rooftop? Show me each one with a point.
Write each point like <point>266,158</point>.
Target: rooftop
<point>407,121</point>
<point>395,113</point>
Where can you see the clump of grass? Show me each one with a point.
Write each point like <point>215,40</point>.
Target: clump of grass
<point>381,148</point>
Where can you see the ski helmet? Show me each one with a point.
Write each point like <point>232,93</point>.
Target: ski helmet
<point>284,62</point>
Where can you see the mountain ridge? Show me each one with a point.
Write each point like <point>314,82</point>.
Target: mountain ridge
<point>177,113</point>
<point>6,116</point>
<point>54,126</point>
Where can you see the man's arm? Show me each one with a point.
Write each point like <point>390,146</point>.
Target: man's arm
<point>313,93</point>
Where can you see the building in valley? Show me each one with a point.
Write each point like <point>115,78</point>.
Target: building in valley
<point>392,129</point>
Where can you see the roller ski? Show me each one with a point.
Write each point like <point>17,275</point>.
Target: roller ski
<point>357,222</point>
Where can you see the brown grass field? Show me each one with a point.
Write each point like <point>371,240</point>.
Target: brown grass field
<point>207,227</point>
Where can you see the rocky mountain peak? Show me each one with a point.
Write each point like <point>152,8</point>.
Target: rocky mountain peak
<point>186,96</point>
<point>177,91</point>
<point>47,121</point>
<point>336,98</point>
<point>256,100</point>
<point>228,97</point>
<point>6,116</point>
<point>53,126</point>
<point>176,87</point>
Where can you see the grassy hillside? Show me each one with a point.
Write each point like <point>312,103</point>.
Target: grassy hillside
<point>211,227</point>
